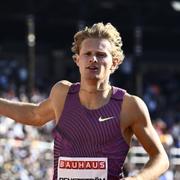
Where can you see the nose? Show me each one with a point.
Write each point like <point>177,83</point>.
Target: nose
<point>93,59</point>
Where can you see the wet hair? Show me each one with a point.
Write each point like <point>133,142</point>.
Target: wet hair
<point>102,31</point>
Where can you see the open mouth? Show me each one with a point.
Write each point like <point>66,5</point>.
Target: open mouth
<point>92,68</point>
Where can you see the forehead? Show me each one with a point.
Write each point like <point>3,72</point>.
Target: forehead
<point>95,44</point>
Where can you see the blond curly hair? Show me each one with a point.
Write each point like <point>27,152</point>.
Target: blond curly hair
<point>100,30</point>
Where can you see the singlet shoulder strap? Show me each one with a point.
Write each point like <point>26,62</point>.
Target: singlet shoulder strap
<point>118,93</point>
<point>74,88</point>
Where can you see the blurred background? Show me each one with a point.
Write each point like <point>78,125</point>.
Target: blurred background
<point>35,53</point>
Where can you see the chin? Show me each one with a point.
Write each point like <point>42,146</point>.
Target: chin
<point>93,78</point>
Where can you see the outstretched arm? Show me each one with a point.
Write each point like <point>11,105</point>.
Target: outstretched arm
<point>141,126</point>
<point>27,113</point>
<point>37,114</point>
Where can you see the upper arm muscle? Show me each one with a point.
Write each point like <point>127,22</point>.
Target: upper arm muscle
<point>51,108</point>
<point>140,124</point>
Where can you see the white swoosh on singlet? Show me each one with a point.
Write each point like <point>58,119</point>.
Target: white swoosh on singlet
<point>105,119</point>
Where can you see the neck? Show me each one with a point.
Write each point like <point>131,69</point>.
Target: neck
<point>94,96</point>
<point>95,87</point>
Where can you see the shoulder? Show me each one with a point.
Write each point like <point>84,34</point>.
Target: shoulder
<point>58,96</point>
<point>134,109</point>
<point>62,84</point>
<point>135,103</point>
<point>59,91</point>
<point>61,88</point>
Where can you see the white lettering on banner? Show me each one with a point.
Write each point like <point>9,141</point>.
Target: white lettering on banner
<point>82,164</point>
<point>71,168</point>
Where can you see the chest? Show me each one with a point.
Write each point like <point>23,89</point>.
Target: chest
<point>82,126</point>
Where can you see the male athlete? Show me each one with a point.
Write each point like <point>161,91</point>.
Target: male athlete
<point>95,121</point>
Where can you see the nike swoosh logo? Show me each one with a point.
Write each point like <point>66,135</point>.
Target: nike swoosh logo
<point>105,119</point>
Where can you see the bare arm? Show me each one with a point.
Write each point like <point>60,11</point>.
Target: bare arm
<point>141,126</point>
<point>36,114</point>
<point>27,113</point>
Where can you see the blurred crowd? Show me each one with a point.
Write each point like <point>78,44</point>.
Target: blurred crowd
<point>26,152</point>
<point>162,97</point>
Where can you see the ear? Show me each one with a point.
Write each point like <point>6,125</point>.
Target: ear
<point>76,59</point>
<point>115,62</point>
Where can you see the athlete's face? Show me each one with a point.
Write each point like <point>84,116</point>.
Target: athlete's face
<point>95,60</point>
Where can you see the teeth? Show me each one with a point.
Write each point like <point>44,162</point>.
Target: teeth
<point>92,67</point>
